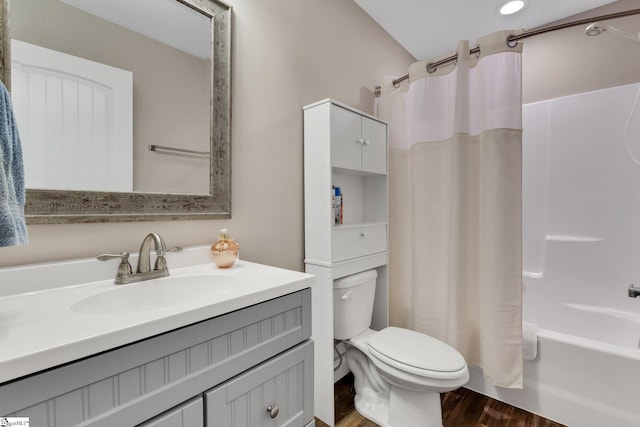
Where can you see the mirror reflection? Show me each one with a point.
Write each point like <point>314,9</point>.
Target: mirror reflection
<point>96,83</point>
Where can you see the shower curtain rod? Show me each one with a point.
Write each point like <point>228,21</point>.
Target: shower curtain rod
<point>513,39</point>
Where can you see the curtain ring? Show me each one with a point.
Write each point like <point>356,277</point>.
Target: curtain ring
<point>395,84</point>
<point>511,43</point>
<point>431,68</point>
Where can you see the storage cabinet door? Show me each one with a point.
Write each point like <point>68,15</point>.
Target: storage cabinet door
<point>374,147</point>
<point>277,393</point>
<point>346,139</point>
<point>189,414</point>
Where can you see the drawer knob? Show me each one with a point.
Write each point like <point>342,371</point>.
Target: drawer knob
<point>363,234</point>
<point>273,411</point>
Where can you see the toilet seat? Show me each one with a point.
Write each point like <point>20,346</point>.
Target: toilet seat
<point>416,353</point>
<point>392,393</point>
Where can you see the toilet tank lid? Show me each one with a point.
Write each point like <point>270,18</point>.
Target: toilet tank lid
<point>355,279</point>
<point>398,346</point>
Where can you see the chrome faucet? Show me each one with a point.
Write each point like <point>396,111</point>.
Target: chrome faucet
<point>144,271</point>
<point>634,291</point>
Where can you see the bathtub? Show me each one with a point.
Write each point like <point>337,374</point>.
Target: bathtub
<point>587,370</point>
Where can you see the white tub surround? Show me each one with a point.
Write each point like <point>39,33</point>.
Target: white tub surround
<point>52,314</point>
<point>581,172</point>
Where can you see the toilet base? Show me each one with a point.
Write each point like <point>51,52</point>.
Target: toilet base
<point>378,413</point>
<point>408,408</point>
<point>404,408</point>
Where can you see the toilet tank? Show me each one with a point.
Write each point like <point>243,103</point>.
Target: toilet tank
<point>353,304</point>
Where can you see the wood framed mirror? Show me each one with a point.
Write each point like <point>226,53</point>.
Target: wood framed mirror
<point>59,205</point>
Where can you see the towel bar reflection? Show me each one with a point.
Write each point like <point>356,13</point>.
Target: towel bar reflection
<point>154,147</point>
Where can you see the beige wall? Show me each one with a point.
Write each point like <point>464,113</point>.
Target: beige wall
<point>286,54</point>
<point>567,61</point>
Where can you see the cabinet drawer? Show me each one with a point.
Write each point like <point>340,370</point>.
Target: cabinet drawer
<point>278,392</point>
<point>189,414</point>
<point>355,241</point>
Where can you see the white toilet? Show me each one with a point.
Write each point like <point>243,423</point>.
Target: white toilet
<point>399,374</point>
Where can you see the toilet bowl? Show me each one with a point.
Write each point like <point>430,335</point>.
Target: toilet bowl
<point>398,373</point>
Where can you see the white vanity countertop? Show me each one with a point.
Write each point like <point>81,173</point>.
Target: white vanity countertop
<point>48,327</point>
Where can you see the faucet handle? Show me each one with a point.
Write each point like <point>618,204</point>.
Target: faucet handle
<point>163,252</point>
<point>124,269</point>
<point>161,262</point>
<point>104,257</point>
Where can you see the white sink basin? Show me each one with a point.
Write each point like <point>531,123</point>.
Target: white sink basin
<point>157,293</point>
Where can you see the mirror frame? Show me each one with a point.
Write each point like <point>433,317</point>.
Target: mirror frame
<point>71,207</point>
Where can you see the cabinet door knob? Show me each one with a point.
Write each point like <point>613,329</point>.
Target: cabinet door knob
<point>273,411</point>
<point>366,142</point>
<point>360,141</point>
<point>363,234</point>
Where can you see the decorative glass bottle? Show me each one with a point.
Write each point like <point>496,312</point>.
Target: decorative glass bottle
<point>225,250</point>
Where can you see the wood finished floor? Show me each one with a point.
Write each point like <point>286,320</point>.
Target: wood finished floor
<point>460,408</point>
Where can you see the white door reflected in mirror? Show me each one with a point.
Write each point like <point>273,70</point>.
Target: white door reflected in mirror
<point>75,119</point>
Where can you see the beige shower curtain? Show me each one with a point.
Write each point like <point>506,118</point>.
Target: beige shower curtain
<point>455,205</point>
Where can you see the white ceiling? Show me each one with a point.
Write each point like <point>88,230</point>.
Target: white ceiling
<point>432,28</point>
<point>166,21</point>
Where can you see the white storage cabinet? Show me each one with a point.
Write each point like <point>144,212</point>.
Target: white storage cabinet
<point>347,148</point>
<point>357,141</point>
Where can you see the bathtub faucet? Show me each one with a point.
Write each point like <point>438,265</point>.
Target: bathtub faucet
<point>634,291</point>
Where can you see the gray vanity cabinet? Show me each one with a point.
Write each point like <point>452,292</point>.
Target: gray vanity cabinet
<point>269,395</point>
<point>189,377</point>
<point>189,414</point>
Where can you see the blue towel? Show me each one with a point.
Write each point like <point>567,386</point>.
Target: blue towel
<point>13,230</point>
